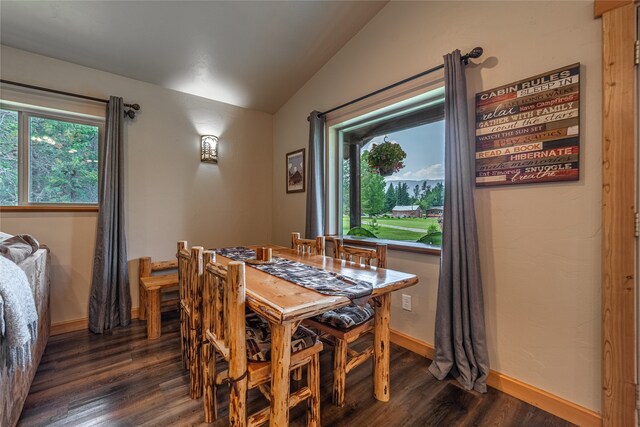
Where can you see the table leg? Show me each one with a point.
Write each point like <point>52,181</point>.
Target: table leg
<point>381,349</point>
<point>280,364</point>
<point>153,313</point>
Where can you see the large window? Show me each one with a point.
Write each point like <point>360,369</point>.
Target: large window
<point>48,159</point>
<point>393,175</point>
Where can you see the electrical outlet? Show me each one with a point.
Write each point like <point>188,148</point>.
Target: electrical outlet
<point>406,302</point>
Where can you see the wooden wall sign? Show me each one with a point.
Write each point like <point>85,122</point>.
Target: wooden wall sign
<point>529,131</point>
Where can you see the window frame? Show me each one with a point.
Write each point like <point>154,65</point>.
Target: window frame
<point>423,96</point>
<point>24,147</point>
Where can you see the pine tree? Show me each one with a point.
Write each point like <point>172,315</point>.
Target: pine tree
<point>403,194</point>
<point>433,197</point>
<point>438,199</point>
<point>416,192</point>
<point>390,198</point>
<point>371,188</point>
<point>425,197</point>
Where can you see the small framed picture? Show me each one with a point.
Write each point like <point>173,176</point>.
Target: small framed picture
<point>295,171</point>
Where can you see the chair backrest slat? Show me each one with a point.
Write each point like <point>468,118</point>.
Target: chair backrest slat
<point>184,259</point>
<point>219,305</point>
<point>208,296</point>
<point>308,246</point>
<point>195,287</point>
<point>225,288</point>
<point>215,279</point>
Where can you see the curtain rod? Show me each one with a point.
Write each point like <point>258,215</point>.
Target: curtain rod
<point>475,53</point>
<point>130,114</point>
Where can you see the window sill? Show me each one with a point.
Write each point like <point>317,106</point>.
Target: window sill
<point>395,245</point>
<point>35,208</point>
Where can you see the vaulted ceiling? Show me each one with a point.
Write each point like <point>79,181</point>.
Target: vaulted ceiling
<point>254,54</point>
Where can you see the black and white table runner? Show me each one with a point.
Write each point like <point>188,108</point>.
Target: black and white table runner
<point>322,281</point>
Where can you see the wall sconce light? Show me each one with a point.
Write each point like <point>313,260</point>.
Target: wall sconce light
<point>209,148</point>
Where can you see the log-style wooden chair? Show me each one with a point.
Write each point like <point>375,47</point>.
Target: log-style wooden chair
<point>241,340</point>
<point>190,269</point>
<point>345,325</point>
<point>308,246</point>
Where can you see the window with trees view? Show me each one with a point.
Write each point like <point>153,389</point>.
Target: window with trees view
<point>47,159</point>
<point>393,176</point>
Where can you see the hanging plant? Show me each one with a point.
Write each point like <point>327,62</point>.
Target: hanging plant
<point>386,158</point>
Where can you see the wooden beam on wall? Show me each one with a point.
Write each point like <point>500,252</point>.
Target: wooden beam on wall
<point>602,6</point>
<point>618,214</point>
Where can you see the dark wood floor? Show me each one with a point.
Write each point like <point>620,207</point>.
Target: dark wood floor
<point>124,380</point>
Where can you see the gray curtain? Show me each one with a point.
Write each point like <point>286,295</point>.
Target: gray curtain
<point>110,299</point>
<point>460,330</point>
<point>315,182</point>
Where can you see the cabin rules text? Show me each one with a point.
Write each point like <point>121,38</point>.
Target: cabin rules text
<point>529,131</point>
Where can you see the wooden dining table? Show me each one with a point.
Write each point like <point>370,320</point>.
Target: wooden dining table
<point>285,305</point>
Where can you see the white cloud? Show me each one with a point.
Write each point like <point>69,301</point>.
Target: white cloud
<point>430,172</point>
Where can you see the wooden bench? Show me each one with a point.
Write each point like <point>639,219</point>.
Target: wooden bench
<point>152,288</point>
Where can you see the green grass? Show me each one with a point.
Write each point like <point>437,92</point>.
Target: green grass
<point>394,233</point>
<point>409,222</point>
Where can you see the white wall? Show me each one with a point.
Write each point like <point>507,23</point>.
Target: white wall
<point>540,244</point>
<point>170,195</point>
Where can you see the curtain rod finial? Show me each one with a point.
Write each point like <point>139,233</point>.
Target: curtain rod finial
<point>476,52</point>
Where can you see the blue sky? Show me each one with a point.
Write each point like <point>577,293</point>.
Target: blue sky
<point>425,151</point>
